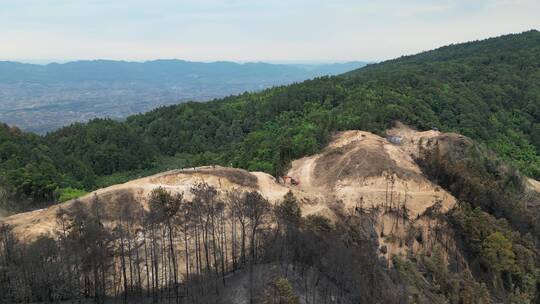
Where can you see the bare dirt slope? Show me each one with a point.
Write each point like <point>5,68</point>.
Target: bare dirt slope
<point>357,171</point>
<point>533,185</point>
<point>362,169</point>
<point>30,225</point>
<point>362,172</point>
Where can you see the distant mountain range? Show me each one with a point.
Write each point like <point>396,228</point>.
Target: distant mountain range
<point>41,98</point>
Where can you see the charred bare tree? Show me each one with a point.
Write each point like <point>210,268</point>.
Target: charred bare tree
<point>165,208</point>
<point>256,208</point>
<point>237,203</point>
<point>144,250</point>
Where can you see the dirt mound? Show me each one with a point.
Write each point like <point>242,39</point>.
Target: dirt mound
<point>235,176</point>
<point>361,167</point>
<point>363,171</point>
<point>364,158</point>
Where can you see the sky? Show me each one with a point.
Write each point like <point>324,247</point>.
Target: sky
<point>250,30</point>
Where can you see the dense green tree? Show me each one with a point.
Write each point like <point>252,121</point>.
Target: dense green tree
<point>498,254</point>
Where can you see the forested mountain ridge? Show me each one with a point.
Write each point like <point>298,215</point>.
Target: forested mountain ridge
<point>482,89</point>
<point>487,90</point>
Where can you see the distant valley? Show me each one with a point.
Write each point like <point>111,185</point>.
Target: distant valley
<point>42,98</point>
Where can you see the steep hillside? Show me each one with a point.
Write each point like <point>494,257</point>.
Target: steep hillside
<point>487,90</point>
<point>359,176</point>
<point>362,194</point>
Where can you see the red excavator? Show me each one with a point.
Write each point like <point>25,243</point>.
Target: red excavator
<point>290,180</point>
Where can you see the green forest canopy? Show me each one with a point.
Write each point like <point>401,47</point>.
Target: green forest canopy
<point>488,90</point>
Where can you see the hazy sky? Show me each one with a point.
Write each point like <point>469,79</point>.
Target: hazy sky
<point>250,30</point>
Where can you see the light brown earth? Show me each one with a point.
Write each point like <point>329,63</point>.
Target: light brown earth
<point>363,168</point>
<point>533,184</point>
<point>357,171</point>
<point>360,170</point>
<point>30,225</point>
